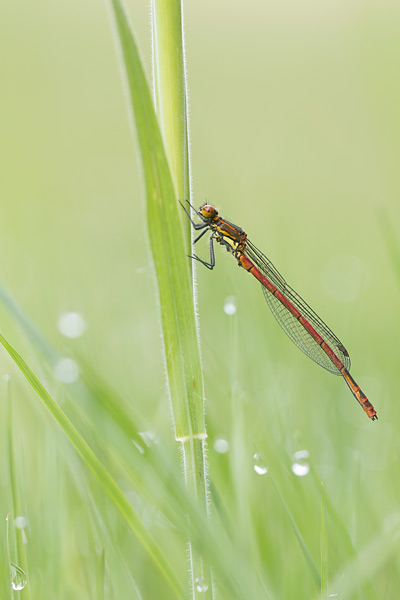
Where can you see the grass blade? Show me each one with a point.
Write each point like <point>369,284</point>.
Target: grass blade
<point>169,250</point>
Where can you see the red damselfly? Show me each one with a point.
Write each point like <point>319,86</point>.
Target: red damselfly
<point>304,327</point>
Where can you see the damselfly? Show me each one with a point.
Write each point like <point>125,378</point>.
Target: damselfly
<point>304,327</point>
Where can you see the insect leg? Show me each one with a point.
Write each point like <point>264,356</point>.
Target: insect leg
<point>211,264</point>
<point>195,225</point>
<point>201,234</point>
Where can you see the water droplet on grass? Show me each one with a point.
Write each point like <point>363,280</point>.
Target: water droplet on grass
<point>259,465</point>
<point>21,523</point>
<point>300,466</point>
<point>148,437</point>
<point>71,324</point>
<point>66,370</point>
<point>17,576</point>
<point>221,446</point>
<point>230,306</point>
<point>138,446</point>
<point>201,585</point>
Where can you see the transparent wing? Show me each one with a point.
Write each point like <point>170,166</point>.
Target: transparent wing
<point>289,323</point>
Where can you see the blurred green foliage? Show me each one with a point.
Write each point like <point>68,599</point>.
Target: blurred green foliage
<point>295,136</point>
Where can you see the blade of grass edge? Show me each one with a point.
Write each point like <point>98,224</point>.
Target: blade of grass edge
<point>99,471</point>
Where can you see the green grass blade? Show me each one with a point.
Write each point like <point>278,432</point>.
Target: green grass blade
<point>20,556</point>
<point>30,329</point>
<point>169,250</point>
<point>8,563</point>
<point>324,551</point>
<point>99,471</point>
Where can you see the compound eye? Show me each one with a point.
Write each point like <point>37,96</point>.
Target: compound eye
<point>208,211</point>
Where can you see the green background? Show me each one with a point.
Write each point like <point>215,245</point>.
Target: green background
<point>295,123</point>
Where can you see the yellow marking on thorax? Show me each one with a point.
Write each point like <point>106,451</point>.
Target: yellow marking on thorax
<point>232,243</point>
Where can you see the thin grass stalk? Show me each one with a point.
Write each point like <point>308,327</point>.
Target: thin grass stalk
<point>170,94</point>
<point>16,504</point>
<point>9,554</point>
<point>169,250</point>
<point>324,551</point>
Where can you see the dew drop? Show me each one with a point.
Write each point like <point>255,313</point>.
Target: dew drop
<point>148,437</point>
<point>71,324</point>
<point>21,523</point>
<point>300,466</point>
<point>66,370</point>
<point>201,585</point>
<point>138,446</point>
<point>230,306</point>
<point>221,445</point>
<point>17,576</point>
<point>259,465</point>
